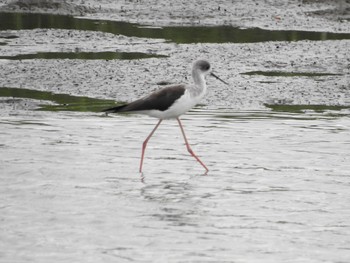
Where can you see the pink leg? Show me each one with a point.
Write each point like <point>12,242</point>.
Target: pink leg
<point>145,144</point>
<point>189,147</point>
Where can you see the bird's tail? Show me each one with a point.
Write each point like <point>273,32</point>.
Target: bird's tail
<point>115,109</point>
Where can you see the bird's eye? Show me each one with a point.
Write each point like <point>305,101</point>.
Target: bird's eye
<point>206,67</point>
<point>203,65</point>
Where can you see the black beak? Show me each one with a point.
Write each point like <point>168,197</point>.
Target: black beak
<point>212,74</point>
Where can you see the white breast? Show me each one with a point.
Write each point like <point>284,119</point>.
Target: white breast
<point>181,105</point>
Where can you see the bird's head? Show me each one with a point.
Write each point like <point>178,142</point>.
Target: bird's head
<point>204,67</point>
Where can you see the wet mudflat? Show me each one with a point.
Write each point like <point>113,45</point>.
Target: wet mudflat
<point>177,34</point>
<point>277,188</point>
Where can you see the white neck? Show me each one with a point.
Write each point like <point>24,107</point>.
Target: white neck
<point>199,82</point>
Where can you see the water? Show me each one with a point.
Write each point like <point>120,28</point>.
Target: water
<point>65,102</point>
<point>83,55</point>
<point>54,102</point>
<point>177,34</point>
<point>277,190</point>
<point>288,74</point>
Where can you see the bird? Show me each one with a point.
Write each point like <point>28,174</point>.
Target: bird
<point>170,102</point>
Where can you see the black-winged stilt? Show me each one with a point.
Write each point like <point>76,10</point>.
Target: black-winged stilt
<point>171,102</point>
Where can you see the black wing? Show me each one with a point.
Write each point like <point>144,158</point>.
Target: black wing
<point>158,100</point>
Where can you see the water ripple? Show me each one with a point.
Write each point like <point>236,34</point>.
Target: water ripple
<point>277,187</point>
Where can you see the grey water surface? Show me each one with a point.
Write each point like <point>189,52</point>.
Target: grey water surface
<point>277,189</point>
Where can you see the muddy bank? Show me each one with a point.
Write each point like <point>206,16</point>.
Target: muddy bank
<point>289,14</point>
<point>45,6</point>
<point>280,72</point>
<point>126,80</point>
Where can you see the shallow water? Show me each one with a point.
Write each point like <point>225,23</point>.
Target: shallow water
<point>277,190</point>
<point>177,34</point>
<point>83,55</point>
<point>52,101</point>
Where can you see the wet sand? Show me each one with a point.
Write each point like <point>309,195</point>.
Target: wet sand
<point>313,15</point>
<point>127,80</point>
